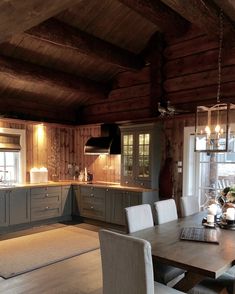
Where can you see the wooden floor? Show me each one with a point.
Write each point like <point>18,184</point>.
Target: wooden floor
<point>77,275</point>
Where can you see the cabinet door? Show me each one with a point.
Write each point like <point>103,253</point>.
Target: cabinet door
<point>117,200</point>
<point>136,156</point>
<point>143,164</point>
<point>127,158</point>
<point>4,208</point>
<point>76,200</point>
<point>66,203</point>
<point>135,198</point>
<point>19,200</point>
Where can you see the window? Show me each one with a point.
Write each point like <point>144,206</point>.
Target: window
<point>9,167</point>
<point>12,163</point>
<point>206,174</point>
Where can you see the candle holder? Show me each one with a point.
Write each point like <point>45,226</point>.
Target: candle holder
<point>228,216</point>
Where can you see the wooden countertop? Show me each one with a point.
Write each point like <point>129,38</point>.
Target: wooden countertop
<point>71,182</point>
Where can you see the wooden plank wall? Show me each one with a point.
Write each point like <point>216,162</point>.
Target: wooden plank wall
<point>52,147</point>
<point>103,167</point>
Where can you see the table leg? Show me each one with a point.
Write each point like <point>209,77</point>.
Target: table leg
<point>190,279</point>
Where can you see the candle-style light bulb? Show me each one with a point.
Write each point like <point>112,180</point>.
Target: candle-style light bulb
<point>207,130</point>
<point>217,128</point>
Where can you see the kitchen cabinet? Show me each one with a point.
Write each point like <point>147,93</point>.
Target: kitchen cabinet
<point>92,202</point>
<point>141,155</point>
<point>4,208</point>
<point>66,200</point>
<point>45,203</point>
<point>19,206</point>
<point>116,201</point>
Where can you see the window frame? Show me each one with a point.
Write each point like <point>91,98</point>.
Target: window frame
<point>22,152</point>
<point>189,156</point>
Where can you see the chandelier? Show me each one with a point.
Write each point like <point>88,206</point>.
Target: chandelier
<point>212,129</point>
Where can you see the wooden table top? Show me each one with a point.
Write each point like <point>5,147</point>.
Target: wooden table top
<point>206,259</point>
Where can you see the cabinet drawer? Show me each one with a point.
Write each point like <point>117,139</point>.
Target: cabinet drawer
<point>92,210</point>
<point>36,197</point>
<point>99,199</point>
<point>94,194</point>
<point>46,190</point>
<point>45,212</point>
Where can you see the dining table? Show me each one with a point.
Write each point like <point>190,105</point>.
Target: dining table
<point>199,259</point>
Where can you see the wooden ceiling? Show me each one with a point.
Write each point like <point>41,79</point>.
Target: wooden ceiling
<point>58,56</point>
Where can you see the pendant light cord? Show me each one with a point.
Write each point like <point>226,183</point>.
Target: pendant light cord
<point>221,35</point>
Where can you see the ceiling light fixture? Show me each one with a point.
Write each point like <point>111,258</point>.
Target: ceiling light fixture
<point>212,129</point>
<point>169,110</point>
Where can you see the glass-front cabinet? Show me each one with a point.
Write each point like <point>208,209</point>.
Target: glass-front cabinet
<point>141,155</point>
<point>143,166</point>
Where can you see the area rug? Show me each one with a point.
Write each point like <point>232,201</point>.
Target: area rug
<point>27,253</point>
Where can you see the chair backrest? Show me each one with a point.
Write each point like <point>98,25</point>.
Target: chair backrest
<point>165,211</point>
<point>126,264</point>
<point>139,217</point>
<point>189,205</point>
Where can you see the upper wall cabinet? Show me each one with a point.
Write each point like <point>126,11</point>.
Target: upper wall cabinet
<point>141,155</point>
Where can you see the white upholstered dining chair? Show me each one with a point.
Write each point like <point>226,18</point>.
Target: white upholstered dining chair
<point>189,205</point>
<point>140,217</point>
<point>165,211</point>
<point>127,266</point>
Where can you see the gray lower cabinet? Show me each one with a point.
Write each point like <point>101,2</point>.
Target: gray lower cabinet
<point>19,206</point>
<point>92,202</point>
<point>66,201</point>
<point>45,203</point>
<point>116,201</point>
<point>108,204</point>
<point>4,208</point>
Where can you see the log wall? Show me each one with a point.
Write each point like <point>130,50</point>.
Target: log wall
<point>190,75</point>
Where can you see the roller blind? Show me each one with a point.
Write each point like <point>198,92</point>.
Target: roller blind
<point>9,142</point>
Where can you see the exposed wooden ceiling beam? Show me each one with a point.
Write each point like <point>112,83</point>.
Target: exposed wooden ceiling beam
<point>19,108</point>
<point>204,14</point>
<point>158,13</point>
<point>61,34</point>
<point>17,16</point>
<point>33,74</point>
<point>228,6</point>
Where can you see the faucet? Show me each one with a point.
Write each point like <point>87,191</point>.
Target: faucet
<point>2,180</point>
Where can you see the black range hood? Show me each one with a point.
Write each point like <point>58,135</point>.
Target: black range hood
<point>108,143</point>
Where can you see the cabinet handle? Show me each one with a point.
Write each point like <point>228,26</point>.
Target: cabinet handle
<point>107,190</point>
<point>47,195</point>
<point>47,207</point>
<point>92,195</point>
<point>141,184</point>
<point>92,207</point>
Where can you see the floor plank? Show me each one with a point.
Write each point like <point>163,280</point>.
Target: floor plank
<point>78,275</point>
